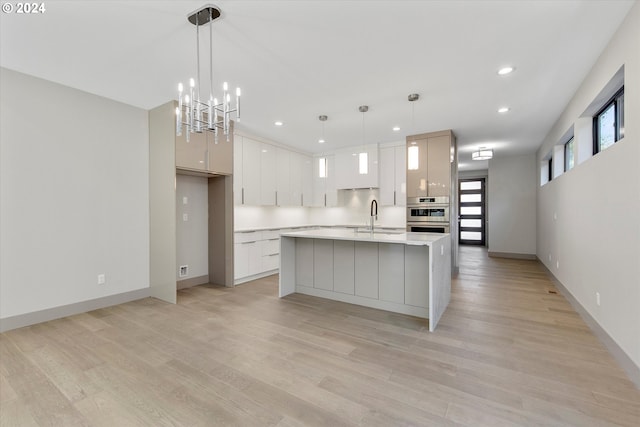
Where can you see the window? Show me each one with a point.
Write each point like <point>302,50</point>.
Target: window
<point>608,124</point>
<point>568,155</point>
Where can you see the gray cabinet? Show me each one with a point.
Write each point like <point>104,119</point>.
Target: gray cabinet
<point>323,256</point>
<point>366,275</point>
<point>304,262</point>
<point>416,279</point>
<point>343,266</point>
<point>391,272</point>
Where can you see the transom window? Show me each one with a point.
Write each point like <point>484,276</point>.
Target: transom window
<point>608,124</point>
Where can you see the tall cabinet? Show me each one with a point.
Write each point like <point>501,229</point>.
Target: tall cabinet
<point>429,164</point>
<point>201,156</point>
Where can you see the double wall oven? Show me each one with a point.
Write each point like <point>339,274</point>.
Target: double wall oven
<point>428,214</point>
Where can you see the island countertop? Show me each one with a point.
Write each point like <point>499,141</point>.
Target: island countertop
<point>381,236</point>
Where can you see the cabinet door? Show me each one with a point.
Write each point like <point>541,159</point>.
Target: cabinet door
<point>283,177</point>
<point>417,168</point>
<point>345,174</point>
<point>323,264</point>
<point>268,175</point>
<point>387,176</point>
<point>343,266</point>
<point>237,171</point>
<point>304,262</point>
<point>220,153</point>
<point>366,278</point>
<point>439,165</point>
<point>295,173</point>
<point>240,260</point>
<point>331,191</point>
<point>251,171</point>
<point>306,171</point>
<point>191,155</point>
<point>391,272</point>
<point>400,175</point>
<point>416,276</point>
<point>255,257</point>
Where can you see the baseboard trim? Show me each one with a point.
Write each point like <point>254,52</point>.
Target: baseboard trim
<point>192,281</point>
<point>27,319</point>
<point>512,255</point>
<point>632,370</point>
<point>255,277</point>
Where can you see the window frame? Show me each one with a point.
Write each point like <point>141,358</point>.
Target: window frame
<point>617,100</point>
<point>568,148</point>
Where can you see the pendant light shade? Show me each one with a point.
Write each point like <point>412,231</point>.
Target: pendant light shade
<point>482,154</point>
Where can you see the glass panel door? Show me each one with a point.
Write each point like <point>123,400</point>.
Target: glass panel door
<point>471,196</point>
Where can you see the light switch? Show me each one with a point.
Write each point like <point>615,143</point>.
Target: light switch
<point>185,217</point>
<point>185,200</point>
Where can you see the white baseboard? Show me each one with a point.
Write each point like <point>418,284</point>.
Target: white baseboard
<point>21,320</point>
<point>626,363</point>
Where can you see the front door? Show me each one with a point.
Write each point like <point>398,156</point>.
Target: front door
<point>471,197</point>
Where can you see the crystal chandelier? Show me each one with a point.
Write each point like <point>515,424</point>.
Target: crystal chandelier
<point>197,116</point>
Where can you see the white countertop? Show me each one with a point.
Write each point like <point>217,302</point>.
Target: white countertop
<point>383,226</point>
<point>380,236</point>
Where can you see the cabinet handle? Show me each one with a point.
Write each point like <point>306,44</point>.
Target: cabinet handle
<point>276,197</point>
<point>394,197</point>
<point>246,243</point>
<point>301,199</point>
<point>325,200</point>
<point>243,195</point>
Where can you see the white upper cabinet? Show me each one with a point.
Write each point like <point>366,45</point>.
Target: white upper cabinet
<point>393,188</point>
<point>268,174</point>
<point>324,181</point>
<point>250,171</point>
<point>307,180</point>
<point>283,172</point>
<point>357,167</point>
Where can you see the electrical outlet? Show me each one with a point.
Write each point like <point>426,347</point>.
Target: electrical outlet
<point>185,200</point>
<point>185,217</point>
<point>558,265</point>
<point>101,279</point>
<point>598,299</point>
<point>184,271</point>
<point>441,250</point>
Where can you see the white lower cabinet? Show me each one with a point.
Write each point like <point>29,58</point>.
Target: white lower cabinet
<point>256,253</point>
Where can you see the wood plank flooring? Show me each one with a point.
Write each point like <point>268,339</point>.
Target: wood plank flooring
<point>506,352</point>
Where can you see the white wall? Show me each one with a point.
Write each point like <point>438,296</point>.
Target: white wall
<point>192,236</point>
<point>74,195</point>
<point>353,209</point>
<point>511,198</point>
<point>589,217</point>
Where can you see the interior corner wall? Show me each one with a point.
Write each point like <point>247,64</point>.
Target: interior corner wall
<point>74,196</point>
<point>511,200</point>
<point>588,223</point>
<point>192,234</point>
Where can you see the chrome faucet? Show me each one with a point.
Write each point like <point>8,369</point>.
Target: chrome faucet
<point>374,213</point>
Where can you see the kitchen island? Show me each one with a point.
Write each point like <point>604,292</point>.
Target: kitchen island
<point>408,273</point>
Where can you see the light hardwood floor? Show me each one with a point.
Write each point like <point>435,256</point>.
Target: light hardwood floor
<point>507,352</point>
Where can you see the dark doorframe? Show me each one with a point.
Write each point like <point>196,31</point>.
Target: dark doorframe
<point>472,209</point>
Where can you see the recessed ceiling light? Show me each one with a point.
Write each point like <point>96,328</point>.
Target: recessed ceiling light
<point>321,141</point>
<point>505,70</point>
<point>396,128</point>
<point>278,123</point>
<point>503,109</point>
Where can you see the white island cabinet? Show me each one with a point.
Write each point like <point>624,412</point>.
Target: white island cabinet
<point>407,273</point>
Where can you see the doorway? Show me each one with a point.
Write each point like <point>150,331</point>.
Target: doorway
<point>471,202</point>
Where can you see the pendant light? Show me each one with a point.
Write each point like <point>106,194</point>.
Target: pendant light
<point>212,115</point>
<point>413,152</point>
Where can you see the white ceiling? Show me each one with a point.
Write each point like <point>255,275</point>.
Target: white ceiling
<point>295,60</point>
